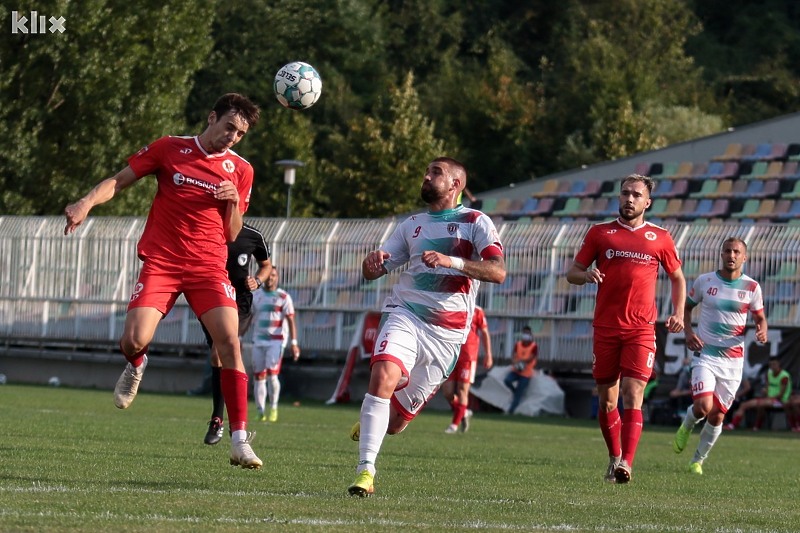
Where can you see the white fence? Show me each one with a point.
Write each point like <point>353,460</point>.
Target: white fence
<point>74,290</point>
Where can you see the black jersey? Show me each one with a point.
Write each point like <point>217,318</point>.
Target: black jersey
<point>249,243</point>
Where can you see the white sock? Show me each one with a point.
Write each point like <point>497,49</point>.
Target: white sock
<point>374,423</point>
<point>274,387</point>
<point>708,437</point>
<point>260,393</point>
<point>238,436</point>
<point>690,421</point>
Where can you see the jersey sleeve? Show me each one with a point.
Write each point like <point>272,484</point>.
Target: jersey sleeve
<point>669,255</point>
<point>397,247</point>
<point>486,239</point>
<point>588,250</point>
<point>757,303</point>
<point>695,295</point>
<point>148,160</point>
<point>288,306</point>
<point>245,188</point>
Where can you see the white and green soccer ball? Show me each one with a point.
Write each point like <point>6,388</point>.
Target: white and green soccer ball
<point>297,85</point>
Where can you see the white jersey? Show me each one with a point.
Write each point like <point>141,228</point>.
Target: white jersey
<point>723,315</point>
<point>270,308</point>
<point>443,298</point>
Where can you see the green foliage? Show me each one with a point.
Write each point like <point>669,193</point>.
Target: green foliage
<point>380,162</point>
<point>75,104</point>
<point>72,462</point>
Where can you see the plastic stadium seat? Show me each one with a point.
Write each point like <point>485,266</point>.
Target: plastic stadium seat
<point>684,171</point>
<point>657,207</point>
<point>674,206</point>
<point>790,170</point>
<point>529,206</point>
<point>774,169</point>
<point>707,190</point>
<point>754,188</point>
<point>730,169</point>
<point>569,209</point>
<point>642,169</point>
<point>750,207</point>
<point>544,208</point>
<point>724,188</point>
<point>758,168</point>
<point>688,209</point>
<point>732,153</point>
<point>771,188</point>
<point>778,151</point>
<point>592,188</point>
<point>762,152</point>
<point>719,209</point>
<point>739,189</point>
<point>666,171</point>
<point>611,188</point>
<point>793,152</point>
<point>548,189</point>
<point>794,192</point>
<point>662,188</point>
<point>714,170</point>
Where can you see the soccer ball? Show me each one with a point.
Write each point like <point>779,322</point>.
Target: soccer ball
<point>297,85</point>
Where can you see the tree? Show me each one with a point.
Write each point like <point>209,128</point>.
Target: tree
<point>74,105</point>
<point>380,163</point>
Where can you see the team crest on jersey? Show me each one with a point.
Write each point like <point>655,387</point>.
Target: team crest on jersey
<point>228,166</point>
<point>452,228</point>
<point>741,295</point>
<point>649,235</point>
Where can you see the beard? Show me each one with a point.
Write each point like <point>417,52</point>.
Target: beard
<point>624,216</point>
<point>430,195</point>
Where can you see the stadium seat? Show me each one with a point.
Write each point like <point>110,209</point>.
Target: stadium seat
<point>611,188</point>
<point>771,188</point>
<point>563,189</point>
<point>724,188</point>
<point>761,153</point>
<point>529,206</point>
<point>684,171</point>
<point>548,189</point>
<point>732,153</point>
<point>592,188</point>
<point>612,210</point>
<point>570,208</point>
<point>750,206</point>
<point>714,170</point>
<point>793,152</point>
<point>543,208</point>
<point>765,209</point>
<point>488,205</point>
<point>778,151</point>
<point>790,170</point>
<point>730,170</point>
<point>794,192</point>
<point>643,169</point>
<point>758,168</point>
<point>657,207</point>
<point>688,209</point>
<point>665,171</point>
<point>662,188</point>
<point>674,206</point>
<point>719,209</point>
<point>699,170</point>
<point>739,189</point>
<point>773,171</point>
<point>708,189</point>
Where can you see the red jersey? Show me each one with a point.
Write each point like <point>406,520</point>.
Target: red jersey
<point>185,225</point>
<point>469,350</point>
<point>629,258</point>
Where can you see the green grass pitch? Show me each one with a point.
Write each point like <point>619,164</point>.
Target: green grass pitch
<point>71,461</point>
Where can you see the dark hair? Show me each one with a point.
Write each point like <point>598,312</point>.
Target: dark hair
<point>240,105</point>
<point>647,180</point>
<point>458,165</point>
<point>734,239</point>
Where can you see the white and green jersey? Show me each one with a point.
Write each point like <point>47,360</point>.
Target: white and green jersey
<point>443,298</point>
<point>723,314</point>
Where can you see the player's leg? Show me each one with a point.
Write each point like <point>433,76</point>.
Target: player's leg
<point>605,370</point>
<point>215,425</point>
<point>462,403</point>
<point>260,379</point>
<point>274,362</point>
<point>223,323</point>
<point>727,383</point>
<point>704,382</point>
<point>140,327</point>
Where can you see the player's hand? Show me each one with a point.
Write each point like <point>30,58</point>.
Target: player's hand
<point>593,275</point>
<point>435,259</point>
<point>295,352</point>
<point>693,342</point>
<point>251,283</point>
<point>675,324</point>
<point>76,213</point>
<point>761,334</point>
<point>227,192</point>
<point>488,362</point>
<point>373,263</point>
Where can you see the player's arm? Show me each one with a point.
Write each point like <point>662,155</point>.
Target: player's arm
<point>104,191</point>
<point>579,274</point>
<point>293,337</point>
<point>693,341</point>
<point>372,265</point>
<point>760,319</point>
<point>488,360</point>
<point>491,269</point>
<point>264,268</point>
<point>675,321</point>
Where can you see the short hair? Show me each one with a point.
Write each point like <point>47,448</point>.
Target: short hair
<point>458,165</point>
<point>526,328</point>
<point>647,180</point>
<point>734,239</point>
<point>240,105</point>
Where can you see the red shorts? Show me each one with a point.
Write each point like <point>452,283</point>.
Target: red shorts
<point>160,285</point>
<point>626,353</point>
<point>464,371</point>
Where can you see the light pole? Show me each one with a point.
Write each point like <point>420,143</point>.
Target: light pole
<point>289,165</point>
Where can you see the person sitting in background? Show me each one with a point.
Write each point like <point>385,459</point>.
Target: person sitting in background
<point>526,354</point>
<point>778,390</point>
<point>680,398</point>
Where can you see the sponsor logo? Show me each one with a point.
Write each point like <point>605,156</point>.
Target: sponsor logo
<point>38,23</point>
<point>611,232</point>
<point>186,151</point>
<point>179,180</point>
<point>627,254</point>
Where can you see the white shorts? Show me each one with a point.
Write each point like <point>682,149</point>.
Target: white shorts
<point>721,381</point>
<point>424,360</point>
<point>267,358</point>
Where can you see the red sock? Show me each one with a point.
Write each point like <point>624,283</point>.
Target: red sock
<point>234,392</point>
<point>459,412</point>
<point>631,431</point>
<point>136,359</point>
<point>737,419</point>
<point>610,427</point>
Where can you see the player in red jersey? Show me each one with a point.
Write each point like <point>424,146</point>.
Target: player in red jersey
<point>203,191</point>
<point>627,253</point>
<point>456,388</point>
